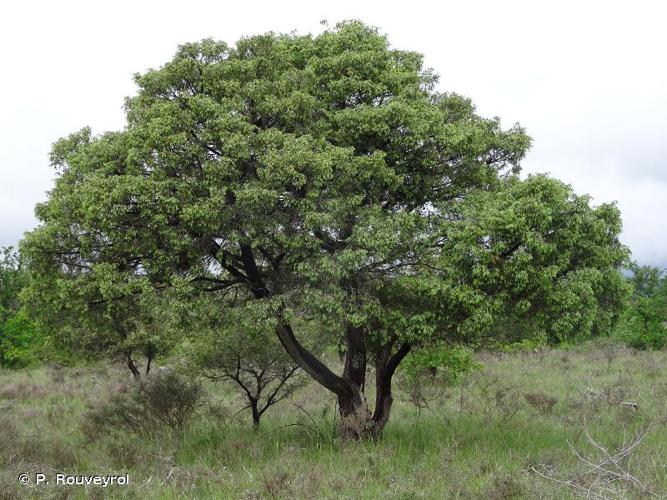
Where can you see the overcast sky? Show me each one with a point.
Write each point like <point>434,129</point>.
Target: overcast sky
<point>587,79</point>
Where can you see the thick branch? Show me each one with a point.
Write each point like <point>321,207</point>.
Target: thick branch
<point>309,363</point>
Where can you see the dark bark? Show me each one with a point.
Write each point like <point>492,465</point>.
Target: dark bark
<point>310,364</point>
<point>353,408</point>
<point>355,358</point>
<point>133,367</point>
<point>354,415</point>
<point>355,418</point>
<point>385,367</point>
<point>256,414</point>
<point>150,356</point>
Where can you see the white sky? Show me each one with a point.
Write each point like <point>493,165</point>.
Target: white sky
<point>588,79</point>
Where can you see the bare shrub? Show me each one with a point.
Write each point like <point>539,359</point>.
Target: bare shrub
<point>603,473</point>
<point>541,402</point>
<point>22,390</point>
<point>505,488</point>
<point>496,400</point>
<point>615,394</point>
<point>165,400</point>
<point>260,370</point>
<point>277,485</point>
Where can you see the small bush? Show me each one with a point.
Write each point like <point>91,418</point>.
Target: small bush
<point>541,402</point>
<point>20,340</point>
<point>165,400</point>
<point>505,488</point>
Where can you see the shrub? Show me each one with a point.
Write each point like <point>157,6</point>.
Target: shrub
<point>164,400</point>
<point>643,324</point>
<point>541,402</point>
<point>446,362</point>
<point>639,335</point>
<point>426,371</point>
<point>246,354</point>
<point>20,339</point>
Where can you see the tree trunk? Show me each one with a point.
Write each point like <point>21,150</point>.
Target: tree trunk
<point>150,356</point>
<point>355,357</point>
<point>133,368</point>
<point>348,388</point>
<point>256,415</point>
<point>310,364</point>
<point>354,416</point>
<point>385,366</point>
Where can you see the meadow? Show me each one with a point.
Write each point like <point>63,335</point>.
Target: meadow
<point>588,421</point>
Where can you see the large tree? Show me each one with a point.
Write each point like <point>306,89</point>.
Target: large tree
<point>322,177</point>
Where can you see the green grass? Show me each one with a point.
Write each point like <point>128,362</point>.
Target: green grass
<point>478,438</point>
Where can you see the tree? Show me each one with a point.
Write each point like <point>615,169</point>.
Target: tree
<point>238,350</point>
<point>644,322</point>
<point>96,316</point>
<point>13,278</point>
<point>314,177</point>
<point>20,337</point>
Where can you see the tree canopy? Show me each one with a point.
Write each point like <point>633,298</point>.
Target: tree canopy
<point>324,177</point>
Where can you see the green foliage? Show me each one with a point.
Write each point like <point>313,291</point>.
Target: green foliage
<point>20,341</point>
<point>310,158</point>
<point>13,277</point>
<point>530,260</point>
<point>324,179</point>
<point>644,322</point>
<point>448,363</point>
<point>238,348</point>
<point>524,345</point>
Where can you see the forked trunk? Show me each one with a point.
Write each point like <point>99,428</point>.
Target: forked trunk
<point>355,419</point>
<point>385,366</point>
<point>133,368</point>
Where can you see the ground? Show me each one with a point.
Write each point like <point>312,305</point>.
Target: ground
<point>560,423</point>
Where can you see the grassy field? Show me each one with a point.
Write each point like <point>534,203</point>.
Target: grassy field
<point>589,421</point>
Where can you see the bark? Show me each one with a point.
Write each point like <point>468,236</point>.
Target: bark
<point>355,358</point>
<point>310,364</point>
<point>150,356</point>
<point>354,416</point>
<point>256,415</point>
<point>385,367</point>
<point>133,367</point>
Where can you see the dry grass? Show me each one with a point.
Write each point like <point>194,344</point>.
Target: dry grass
<point>530,425</point>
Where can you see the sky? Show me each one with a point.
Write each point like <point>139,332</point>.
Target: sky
<point>588,80</point>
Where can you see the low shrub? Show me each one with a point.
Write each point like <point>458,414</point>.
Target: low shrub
<point>164,400</point>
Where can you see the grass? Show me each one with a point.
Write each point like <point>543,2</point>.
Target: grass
<point>508,431</point>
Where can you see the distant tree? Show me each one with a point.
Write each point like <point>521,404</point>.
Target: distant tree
<point>102,319</point>
<point>13,278</point>
<point>644,322</point>
<point>20,338</point>
<point>324,178</point>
